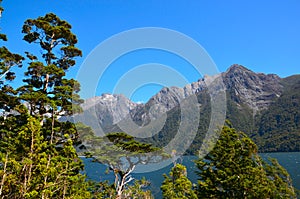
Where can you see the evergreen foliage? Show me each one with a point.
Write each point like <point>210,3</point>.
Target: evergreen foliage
<point>177,185</point>
<point>279,126</point>
<point>26,171</point>
<point>37,156</point>
<point>233,169</point>
<point>121,152</point>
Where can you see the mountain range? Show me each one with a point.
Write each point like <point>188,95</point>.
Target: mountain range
<point>264,106</point>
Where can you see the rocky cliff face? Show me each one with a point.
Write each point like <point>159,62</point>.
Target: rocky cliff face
<point>249,96</point>
<point>110,107</point>
<point>103,111</point>
<point>256,90</point>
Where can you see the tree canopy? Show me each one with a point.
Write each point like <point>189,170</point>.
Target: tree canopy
<point>37,156</point>
<point>233,169</point>
<point>121,152</point>
<point>177,185</point>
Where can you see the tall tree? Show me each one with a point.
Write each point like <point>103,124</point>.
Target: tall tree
<point>27,173</point>
<point>37,156</point>
<point>46,88</point>
<point>178,186</point>
<point>47,91</point>
<point>7,61</point>
<point>233,169</point>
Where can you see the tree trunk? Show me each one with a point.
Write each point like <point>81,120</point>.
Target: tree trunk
<point>123,181</point>
<point>4,174</point>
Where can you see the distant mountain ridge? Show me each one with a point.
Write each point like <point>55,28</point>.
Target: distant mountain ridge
<point>251,99</point>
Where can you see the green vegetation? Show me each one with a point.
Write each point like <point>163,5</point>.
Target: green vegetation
<point>233,169</point>
<point>121,153</point>
<point>279,127</point>
<point>37,156</point>
<point>275,129</point>
<point>33,168</point>
<point>178,186</point>
<point>37,151</point>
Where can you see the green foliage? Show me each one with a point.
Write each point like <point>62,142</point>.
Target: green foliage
<point>102,190</point>
<point>46,89</point>
<point>7,61</point>
<point>30,170</point>
<point>177,186</point>
<point>127,143</point>
<point>136,191</point>
<point>241,116</point>
<point>133,191</point>
<point>115,147</point>
<point>279,126</point>
<point>233,169</point>
<point>121,152</point>
<point>37,156</point>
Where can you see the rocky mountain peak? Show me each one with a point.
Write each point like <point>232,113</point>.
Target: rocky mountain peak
<point>107,99</point>
<point>257,90</point>
<point>106,110</point>
<point>245,87</point>
<point>238,69</point>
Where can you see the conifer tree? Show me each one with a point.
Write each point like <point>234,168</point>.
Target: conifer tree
<point>46,89</point>
<point>37,156</point>
<point>8,61</point>
<point>29,174</point>
<point>233,169</point>
<point>178,186</point>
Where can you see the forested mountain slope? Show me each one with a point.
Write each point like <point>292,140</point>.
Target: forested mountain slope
<point>264,106</point>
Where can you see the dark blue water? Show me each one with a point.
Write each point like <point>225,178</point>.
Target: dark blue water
<point>290,161</point>
<point>97,172</point>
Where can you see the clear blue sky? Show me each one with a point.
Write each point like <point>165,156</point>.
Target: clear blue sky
<point>261,35</point>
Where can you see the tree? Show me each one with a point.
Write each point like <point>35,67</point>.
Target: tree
<point>31,175</point>
<point>37,156</point>
<point>177,186</point>
<point>135,191</point>
<point>233,169</point>
<point>7,61</point>
<point>121,152</point>
<point>46,89</point>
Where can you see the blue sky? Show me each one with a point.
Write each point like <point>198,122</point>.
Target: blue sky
<point>261,35</point>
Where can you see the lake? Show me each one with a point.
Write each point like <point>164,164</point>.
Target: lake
<point>96,171</point>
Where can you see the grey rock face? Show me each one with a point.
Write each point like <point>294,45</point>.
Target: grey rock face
<point>256,90</point>
<point>115,106</point>
<point>103,111</point>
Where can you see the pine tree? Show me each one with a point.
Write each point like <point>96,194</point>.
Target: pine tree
<point>233,169</point>
<point>46,89</point>
<point>24,174</point>
<point>178,186</point>
<point>8,61</point>
<point>37,156</point>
